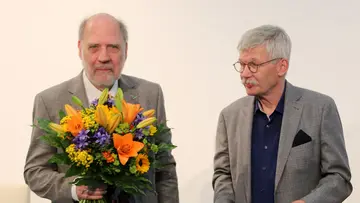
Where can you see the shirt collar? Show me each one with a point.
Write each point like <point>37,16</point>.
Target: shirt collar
<point>92,92</point>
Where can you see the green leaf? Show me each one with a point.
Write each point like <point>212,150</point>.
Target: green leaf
<point>52,140</point>
<point>62,114</point>
<point>90,181</point>
<point>98,156</point>
<point>60,159</point>
<point>154,148</point>
<point>166,147</point>
<point>73,171</point>
<point>162,129</point>
<point>106,179</point>
<point>44,125</point>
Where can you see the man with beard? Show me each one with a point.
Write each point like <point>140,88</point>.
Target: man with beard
<point>103,45</point>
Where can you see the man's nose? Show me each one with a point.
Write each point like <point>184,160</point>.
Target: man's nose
<point>246,72</point>
<point>104,56</point>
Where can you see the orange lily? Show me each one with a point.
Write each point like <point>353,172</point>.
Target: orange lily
<point>126,147</point>
<point>130,111</point>
<point>74,124</point>
<point>70,111</point>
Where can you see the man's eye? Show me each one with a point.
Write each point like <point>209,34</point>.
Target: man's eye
<point>93,46</point>
<point>114,46</point>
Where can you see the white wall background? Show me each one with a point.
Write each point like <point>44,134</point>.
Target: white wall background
<point>188,47</point>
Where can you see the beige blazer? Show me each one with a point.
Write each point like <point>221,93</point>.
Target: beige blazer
<point>49,182</point>
<point>315,171</point>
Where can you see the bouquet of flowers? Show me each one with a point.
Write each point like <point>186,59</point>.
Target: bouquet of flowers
<point>111,142</point>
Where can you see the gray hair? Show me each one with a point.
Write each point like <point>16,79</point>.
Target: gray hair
<point>122,27</point>
<point>277,41</point>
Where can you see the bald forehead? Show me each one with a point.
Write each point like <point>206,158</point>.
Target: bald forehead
<point>101,22</point>
<point>104,24</point>
<point>102,18</point>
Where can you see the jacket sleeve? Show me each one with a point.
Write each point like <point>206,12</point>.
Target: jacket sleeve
<point>222,183</point>
<point>41,177</point>
<point>166,177</point>
<point>335,185</point>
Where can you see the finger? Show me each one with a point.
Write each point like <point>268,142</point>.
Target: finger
<point>94,197</point>
<point>90,197</point>
<point>97,191</point>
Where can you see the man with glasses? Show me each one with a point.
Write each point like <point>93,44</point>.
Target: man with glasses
<point>280,143</point>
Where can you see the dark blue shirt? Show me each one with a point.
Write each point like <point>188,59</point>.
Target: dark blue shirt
<point>264,150</point>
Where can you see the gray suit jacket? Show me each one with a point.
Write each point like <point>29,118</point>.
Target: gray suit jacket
<point>49,182</point>
<point>317,171</point>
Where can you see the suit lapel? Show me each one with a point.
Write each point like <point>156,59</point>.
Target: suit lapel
<point>290,122</point>
<point>77,88</point>
<point>244,144</point>
<point>131,95</point>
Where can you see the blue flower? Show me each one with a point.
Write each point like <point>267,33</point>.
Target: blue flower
<point>110,102</point>
<point>139,117</point>
<point>95,102</point>
<point>82,140</point>
<point>102,137</point>
<point>138,134</point>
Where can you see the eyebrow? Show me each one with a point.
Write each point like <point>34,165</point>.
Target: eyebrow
<point>252,60</point>
<point>97,45</point>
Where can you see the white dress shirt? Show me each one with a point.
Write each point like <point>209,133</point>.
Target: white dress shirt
<point>92,93</point>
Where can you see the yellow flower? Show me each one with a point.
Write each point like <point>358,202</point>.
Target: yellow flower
<point>85,159</point>
<point>152,130</point>
<point>71,152</point>
<point>102,115</point>
<point>65,127</point>
<point>89,122</point>
<point>65,120</point>
<point>87,112</point>
<point>79,157</point>
<point>142,163</point>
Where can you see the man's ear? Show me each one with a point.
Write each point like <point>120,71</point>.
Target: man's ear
<point>79,49</point>
<point>126,50</point>
<point>283,67</point>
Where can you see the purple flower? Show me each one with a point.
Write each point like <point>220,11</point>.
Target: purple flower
<point>110,102</point>
<point>138,134</point>
<point>95,102</point>
<point>82,140</point>
<point>139,117</point>
<point>102,137</point>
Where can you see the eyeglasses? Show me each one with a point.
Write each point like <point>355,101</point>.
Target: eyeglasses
<point>253,67</point>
